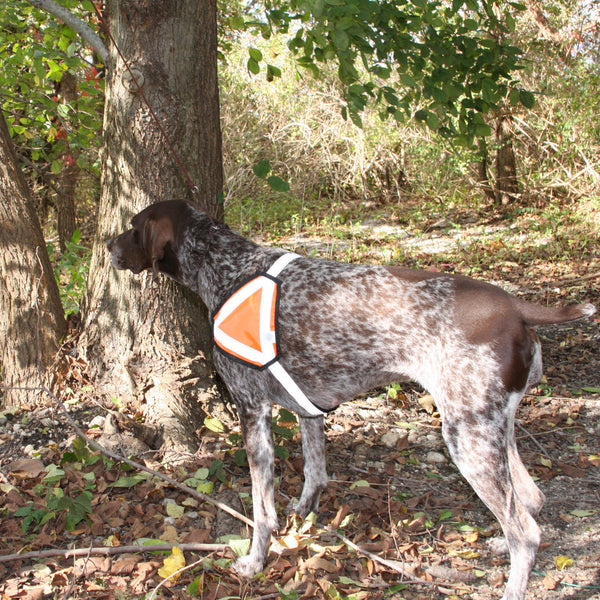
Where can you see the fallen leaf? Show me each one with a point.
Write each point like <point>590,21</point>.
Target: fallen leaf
<point>170,534</point>
<point>125,565</point>
<point>471,537</point>
<point>290,541</point>
<point>427,403</point>
<point>549,582</point>
<point>562,562</point>
<point>171,564</point>
<point>583,513</point>
<point>214,424</point>
<point>317,562</point>
<point>26,468</point>
<point>594,460</point>
<point>174,510</point>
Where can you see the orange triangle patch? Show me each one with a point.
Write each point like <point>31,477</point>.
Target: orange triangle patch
<point>243,324</point>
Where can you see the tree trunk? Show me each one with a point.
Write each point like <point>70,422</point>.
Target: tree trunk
<point>67,181</point>
<point>149,342</point>
<point>482,170</point>
<point>507,184</point>
<point>31,315</point>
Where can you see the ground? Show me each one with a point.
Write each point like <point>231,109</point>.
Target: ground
<point>394,491</point>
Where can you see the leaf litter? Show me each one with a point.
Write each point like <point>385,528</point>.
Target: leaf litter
<point>397,521</point>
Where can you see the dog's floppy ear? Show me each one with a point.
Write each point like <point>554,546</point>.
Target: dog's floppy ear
<point>157,234</point>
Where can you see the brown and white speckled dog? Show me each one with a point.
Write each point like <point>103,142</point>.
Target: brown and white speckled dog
<point>345,329</point>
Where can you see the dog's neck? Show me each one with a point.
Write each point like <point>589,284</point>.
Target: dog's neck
<point>219,259</point>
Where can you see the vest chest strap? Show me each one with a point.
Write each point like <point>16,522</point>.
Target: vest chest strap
<point>245,328</point>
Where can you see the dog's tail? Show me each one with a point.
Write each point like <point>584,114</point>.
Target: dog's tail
<point>534,314</point>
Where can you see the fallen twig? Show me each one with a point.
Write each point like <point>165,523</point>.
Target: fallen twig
<point>530,436</point>
<point>568,281</point>
<point>390,564</point>
<point>110,550</point>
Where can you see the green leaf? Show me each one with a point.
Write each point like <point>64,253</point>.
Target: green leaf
<point>240,457</point>
<point>130,480</point>
<point>255,54</point>
<point>360,483</point>
<point>193,589</point>
<point>272,72</point>
<point>205,487</point>
<point>582,513</point>
<point>262,168</point>
<point>55,474</point>
<point>214,424</point>
<point>341,40</point>
<point>240,546</point>
<point>278,184</point>
<point>527,99</point>
<point>281,452</point>
<point>253,66</point>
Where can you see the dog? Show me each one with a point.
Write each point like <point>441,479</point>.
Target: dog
<point>338,330</point>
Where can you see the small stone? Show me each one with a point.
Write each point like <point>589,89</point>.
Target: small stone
<point>97,421</point>
<point>390,439</point>
<point>435,458</point>
<point>413,437</point>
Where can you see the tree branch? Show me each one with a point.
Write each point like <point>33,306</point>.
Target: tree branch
<point>75,23</point>
<point>110,550</point>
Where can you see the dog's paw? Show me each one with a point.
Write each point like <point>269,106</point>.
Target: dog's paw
<point>498,546</point>
<point>247,566</point>
<point>302,509</point>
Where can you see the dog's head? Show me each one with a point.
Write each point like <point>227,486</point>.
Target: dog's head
<point>151,243</point>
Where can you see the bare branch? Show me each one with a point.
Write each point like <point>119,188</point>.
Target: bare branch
<point>79,26</point>
<point>110,550</point>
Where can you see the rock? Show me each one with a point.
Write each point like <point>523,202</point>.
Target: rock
<point>435,458</point>
<point>413,437</point>
<point>97,421</point>
<point>390,439</point>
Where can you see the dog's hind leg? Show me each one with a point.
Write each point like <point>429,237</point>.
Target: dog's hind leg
<point>315,470</point>
<point>479,444</point>
<point>528,492</point>
<point>256,421</point>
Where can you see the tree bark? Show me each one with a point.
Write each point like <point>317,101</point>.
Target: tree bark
<point>31,315</point>
<point>149,342</point>
<point>507,184</point>
<point>67,181</point>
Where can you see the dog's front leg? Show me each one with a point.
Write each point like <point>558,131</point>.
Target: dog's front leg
<point>256,428</point>
<point>315,469</point>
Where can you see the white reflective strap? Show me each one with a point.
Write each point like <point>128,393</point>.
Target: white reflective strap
<point>245,352</point>
<point>293,390</point>
<point>281,263</point>
<point>238,298</point>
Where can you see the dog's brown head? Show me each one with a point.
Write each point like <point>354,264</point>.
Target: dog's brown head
<point>151,242</point>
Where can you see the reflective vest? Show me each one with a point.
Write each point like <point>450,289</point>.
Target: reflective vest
<point>245,328</point>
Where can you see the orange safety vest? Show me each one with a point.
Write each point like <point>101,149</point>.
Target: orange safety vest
<point>245,328</point>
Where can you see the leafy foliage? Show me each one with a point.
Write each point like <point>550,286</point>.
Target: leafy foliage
<point>37,52</point>
<point>71,269</point>
<point>445,65</point>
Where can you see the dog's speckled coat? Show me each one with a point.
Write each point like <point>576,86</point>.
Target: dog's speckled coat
<point>345,329</point>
